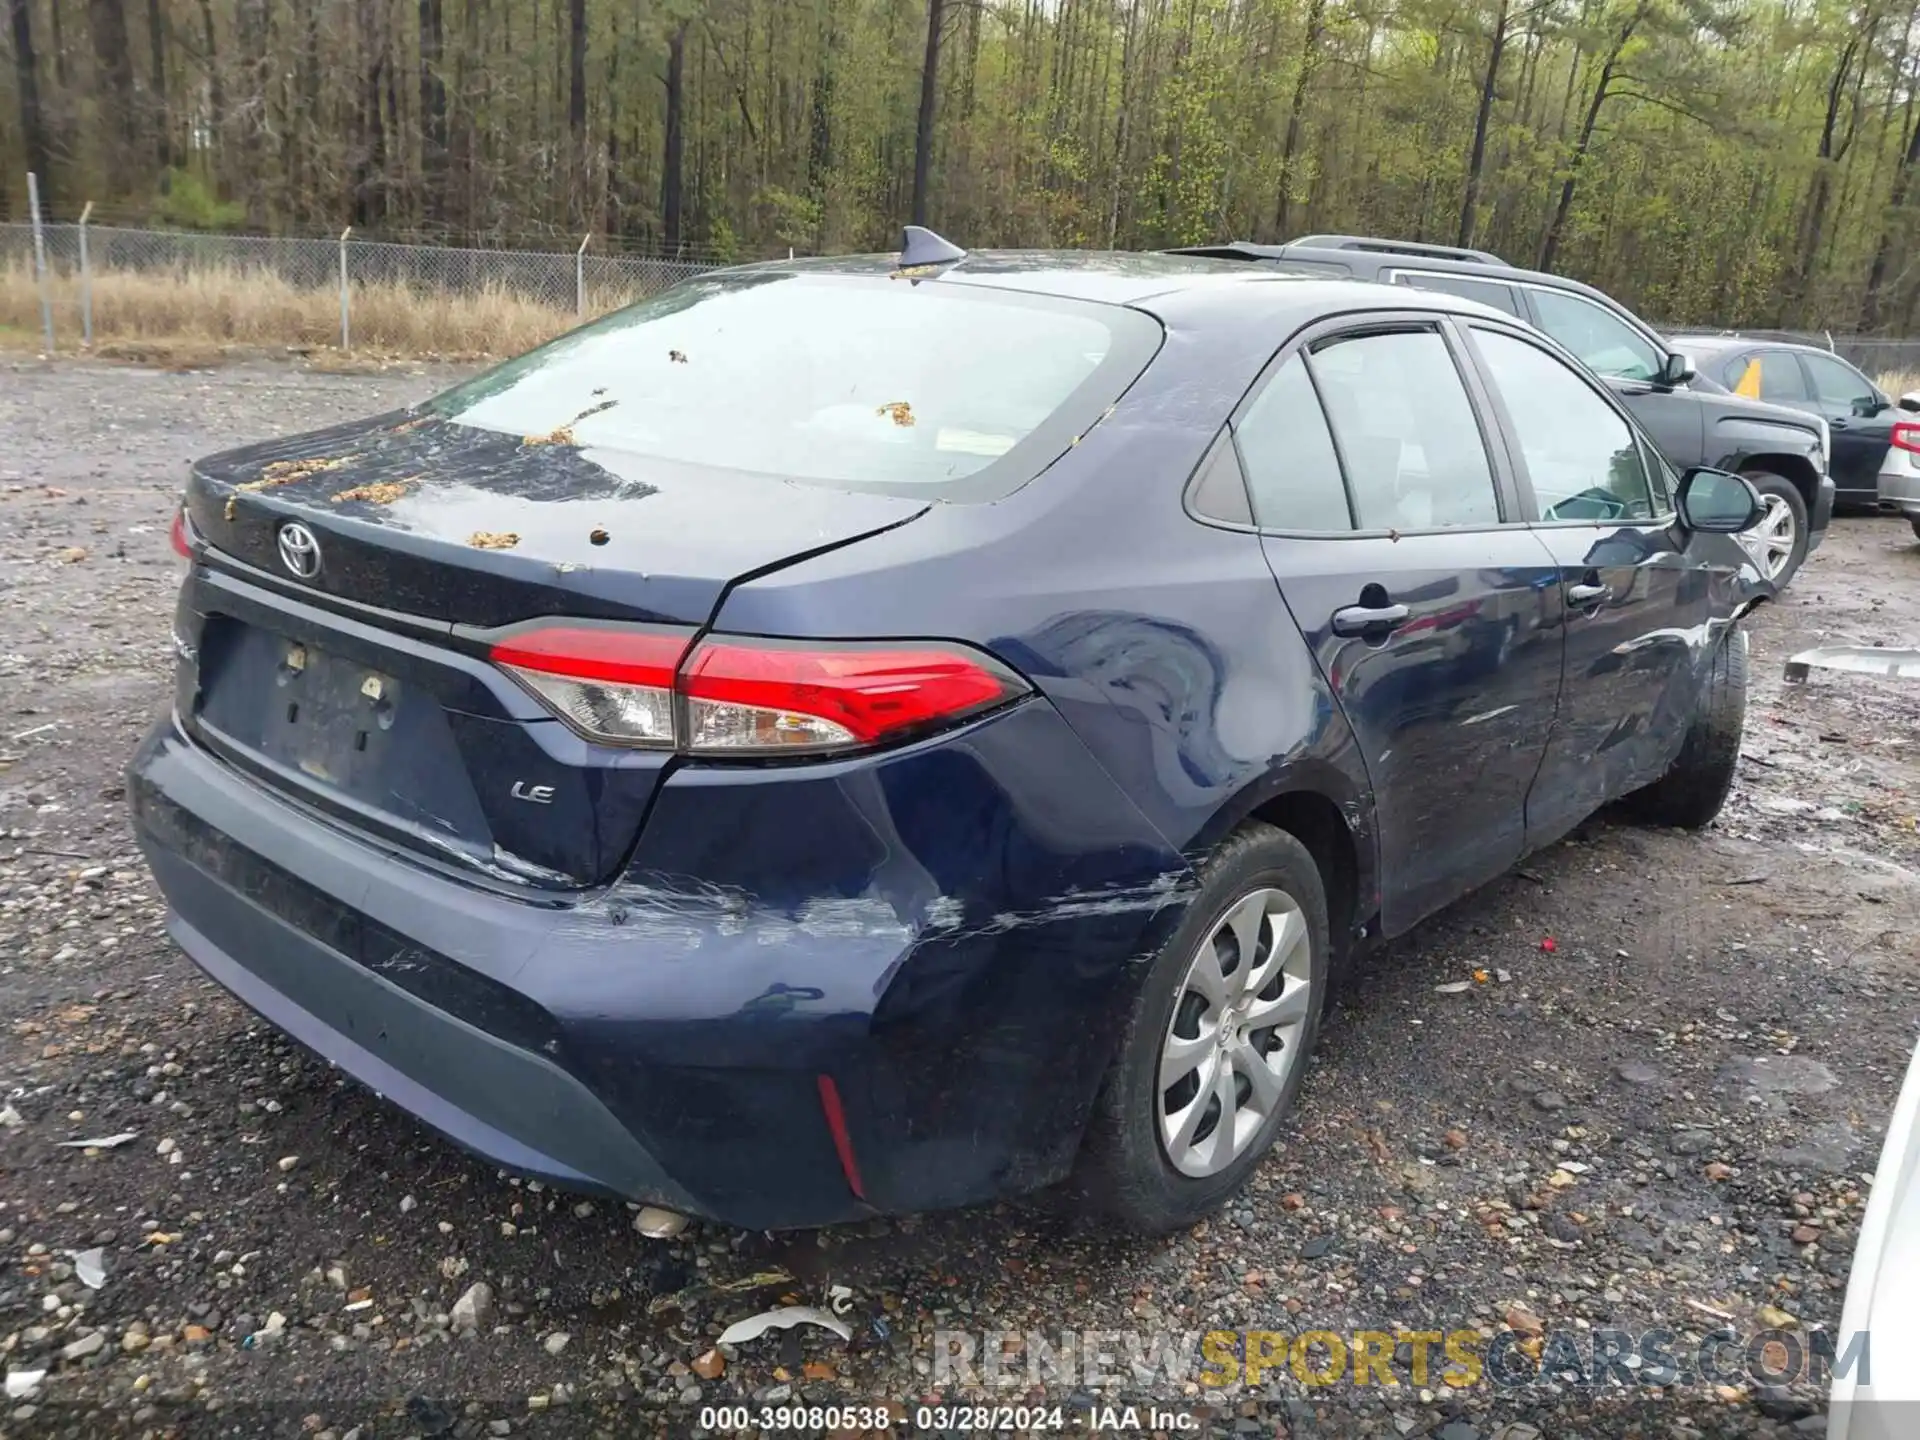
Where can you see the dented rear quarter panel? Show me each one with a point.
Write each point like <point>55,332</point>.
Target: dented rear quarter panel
<point>1182,672</point>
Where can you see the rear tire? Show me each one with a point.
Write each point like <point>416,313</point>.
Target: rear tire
<point>1151,1160</point>
<point>1696,785</point>
<point>1778,543</point>
<point>1916,528</point>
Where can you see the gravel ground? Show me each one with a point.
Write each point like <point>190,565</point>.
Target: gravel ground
<point>1658,1109</point>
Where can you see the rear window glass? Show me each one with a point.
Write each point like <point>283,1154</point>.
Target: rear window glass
<point>856,382</point>
<point>1292,471</point>
<point>1313,267</point>
<point>1501,297</point>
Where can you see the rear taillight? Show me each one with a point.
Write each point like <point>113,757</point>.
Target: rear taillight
<point>1906,436</point>
<point>741,696</point>
<point>178,536</point>
<point>609,683</point>
<point>766,695</point>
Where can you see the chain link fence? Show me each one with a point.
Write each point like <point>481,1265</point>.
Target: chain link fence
<point>79,256</point>
<point>578,283</point>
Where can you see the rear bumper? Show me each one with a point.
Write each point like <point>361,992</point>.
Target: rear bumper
<point>1900,483</point>
<point>946,933</point>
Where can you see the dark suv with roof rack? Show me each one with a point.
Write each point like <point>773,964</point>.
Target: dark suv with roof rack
<point>1692,418</point>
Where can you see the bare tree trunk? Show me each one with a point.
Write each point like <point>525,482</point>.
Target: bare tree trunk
<point>62,77</point>
<point>1895,223</point>
<point>612,221</point>
<point>1550,246</point>
<point>370,155</point>
<point>26,78</point>
<point>923,124</point>
<point>463,153</point>
<point>433,112</point>
<point>576,167</point>
<point>1120,124</point>
<point>120,110</point>
<point>1290,147</point>
<point>251,25</point>
<point>161,117</point>
<point>673,147</point>
<point>1832,148</point>
<point>1477,157</point>
<point>216,98</point>
<point>820,120</point>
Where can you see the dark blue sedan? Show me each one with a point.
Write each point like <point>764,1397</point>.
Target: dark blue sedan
<point>837,738</point>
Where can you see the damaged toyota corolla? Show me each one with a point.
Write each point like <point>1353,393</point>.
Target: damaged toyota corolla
<point>866,735</point>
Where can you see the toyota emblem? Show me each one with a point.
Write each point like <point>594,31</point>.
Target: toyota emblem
<point>299,550</point>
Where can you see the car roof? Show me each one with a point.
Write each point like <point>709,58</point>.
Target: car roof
<point>1364,255</point>
<point>1160,283</point>
<point>1716,344</point>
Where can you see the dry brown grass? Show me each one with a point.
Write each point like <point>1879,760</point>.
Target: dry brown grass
<point>1898,382</point>
<point>204,315</point>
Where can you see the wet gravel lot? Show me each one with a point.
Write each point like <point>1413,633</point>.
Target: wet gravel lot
<point>1654,1105</point>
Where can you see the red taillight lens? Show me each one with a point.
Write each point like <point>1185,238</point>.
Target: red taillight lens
<point>610,683</point>
<point>738,696</point>
<point>766,695</point>
<point>1907,436</point>
<point>177,535</point>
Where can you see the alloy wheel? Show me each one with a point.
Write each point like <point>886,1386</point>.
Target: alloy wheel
<point>1235,1034</point>
<point>1771,539</point>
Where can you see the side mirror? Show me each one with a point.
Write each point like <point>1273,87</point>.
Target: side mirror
<point>1868,406</point>
<point>1910,402</point>
<point>1677,369</point>
<point>1717,502</point>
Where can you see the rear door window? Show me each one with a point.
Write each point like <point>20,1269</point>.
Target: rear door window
<point>1583,459</point>
<point>1605,343</point>
<point>1293,473</point>
<point>1741,374</point>
<point>1772,375</point>
<point>1776,375</point>
<point>1840,388</point>
<point>1487,292</point>
<point>848,381</point>
<point>1406,431</point>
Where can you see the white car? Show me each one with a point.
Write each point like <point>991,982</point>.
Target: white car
<point>1879,1397</point>
<point>1900,471</point>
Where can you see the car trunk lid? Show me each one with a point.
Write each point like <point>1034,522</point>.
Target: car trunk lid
<point>364,689</point>
<point>451,523</point>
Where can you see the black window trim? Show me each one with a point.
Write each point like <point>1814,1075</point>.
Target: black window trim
<point>1222,449</point>
<point>1305,354</point>
<point>1523,480</point>
<point>1347,325</point>
<point>1812,397</point>
<point>1666,491</point>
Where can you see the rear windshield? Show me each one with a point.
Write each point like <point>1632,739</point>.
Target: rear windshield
<point>857,382</point>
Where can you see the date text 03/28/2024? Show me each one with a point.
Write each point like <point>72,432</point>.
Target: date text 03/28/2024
<point>987,1419</point>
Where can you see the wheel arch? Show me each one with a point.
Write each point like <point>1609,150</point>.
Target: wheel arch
<point>1797,470</point>
<point>1322,807</point>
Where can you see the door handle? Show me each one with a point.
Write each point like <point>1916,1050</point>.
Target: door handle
<point>1365,619</point>
<point>1838,424</point>
<point>1583,597</point>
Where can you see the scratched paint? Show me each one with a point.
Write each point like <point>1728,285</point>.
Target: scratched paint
<point>687,911</point>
